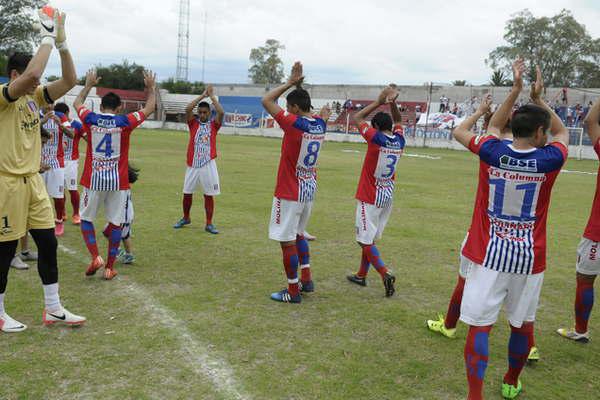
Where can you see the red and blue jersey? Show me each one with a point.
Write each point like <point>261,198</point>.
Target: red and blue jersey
<point>53,154</point>
<point>302,141</point>
<point>107,154</point>
<point>508,229</point>
<point>592,230</point>
<point>202,146</point>
<point>72,145</point>
<point>376,185</point>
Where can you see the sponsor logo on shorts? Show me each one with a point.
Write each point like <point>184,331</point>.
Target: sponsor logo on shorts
<point>363,216</point>
<point>278,212</point>
<point>216,187</point>
<point>594,252</point>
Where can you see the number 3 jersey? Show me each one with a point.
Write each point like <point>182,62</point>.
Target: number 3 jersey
<point>302,140</point>
<point>107,154</point>
<point>508,230</point>
<point>376,185</point>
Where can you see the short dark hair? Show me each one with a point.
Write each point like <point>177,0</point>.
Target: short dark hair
<point>382,121</point>
<point>203,104</point>
<point>133,173</point>
<point>18,61</point>
<point>44,133</point>
<point>299,97</point>
<point>111,101</point>
<point>527,119</point>
<point>61,107</point>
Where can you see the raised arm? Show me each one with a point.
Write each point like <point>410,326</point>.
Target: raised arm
<point>387,93</point>
<point>325,113</point>
<point>91,80</point>
<point>503,113</point>
<point>269,100</point>
<point>558,130</point>
<point>463,133</point>
<point>30,78</point>
<point>592,122</point>
<point>189,109</point>
<point>396,116</point>
<point>150,83</point>
<point>68,79</point>
<point>218,108</point>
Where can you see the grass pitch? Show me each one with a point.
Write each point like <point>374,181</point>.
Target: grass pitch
<point>192,295</point>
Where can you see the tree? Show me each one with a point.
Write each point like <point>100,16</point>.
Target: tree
<point>17,31</point>
<point>560,45</point>
<point>183,87</point>
<point>459,83</point>
<point>499,78</point>
<point>126,76</point>
<point>267,67</point>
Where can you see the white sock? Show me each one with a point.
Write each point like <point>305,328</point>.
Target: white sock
<point>51,298</point>
<point>2,304</point>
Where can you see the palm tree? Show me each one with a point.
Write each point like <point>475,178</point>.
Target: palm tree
<point>498,78</point>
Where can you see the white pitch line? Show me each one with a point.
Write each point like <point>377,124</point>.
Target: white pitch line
<point>566,171</point>
<point>422,156</point>
<point>198,355</point>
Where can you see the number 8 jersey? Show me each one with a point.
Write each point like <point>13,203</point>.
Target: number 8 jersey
<point>302,140</point>
<point>107,154</point>
<point>508,230</point>
<point>376,185</point>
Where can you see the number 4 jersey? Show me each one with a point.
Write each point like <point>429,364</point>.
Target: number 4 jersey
<point>107,154</point>
<point>302,140</point>
<point>376,185</point>
<point>508,230</point>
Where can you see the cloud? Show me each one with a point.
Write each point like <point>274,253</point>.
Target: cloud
<point>338,41</point>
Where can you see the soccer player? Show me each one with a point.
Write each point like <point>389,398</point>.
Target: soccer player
<point>507,238</point>
<point>24,202</point>
<point>201,155</point>
<point>375,194</point>
<point>499,126</point>
<point>126,255</point>
<point>71,150</point>
<point>303,135</point>
<point>588,253</point>
<point>105,175</point>
<point>57,124</point>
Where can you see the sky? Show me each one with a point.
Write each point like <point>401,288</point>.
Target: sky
<point>339,42</point>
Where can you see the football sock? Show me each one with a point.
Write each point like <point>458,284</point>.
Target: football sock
<point>51,298</point>
<point>187,205</point>
<point>74,201</point>
<point>584,301</point>
<point>209,208</point>
<point>47,263</point>
<point>304,256</point>
<point>7,252</point>
<point>476,359</point>
<point>59,208</point>
<point>364,265</point>
<point>453,313</point>
<point>290,263</point>
<point>114,239</point>
<point>519,345</point>
<point>375,259</point>
<point>2,311</point>
<point>89,236</point>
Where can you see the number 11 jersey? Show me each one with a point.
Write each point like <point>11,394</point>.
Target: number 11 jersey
<point>302,140</point>
<point>508,230</point>
<point>107,155</point>
<point>376,185</point>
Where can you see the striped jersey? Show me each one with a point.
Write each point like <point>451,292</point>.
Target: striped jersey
<point>508,229</point>
<point>592,230</point>
<point>72,145</point>
<point>376,184</point>
<point>53,154</point>
<point>107,154</point>
<point>202,146</point>
<point>302,140</point>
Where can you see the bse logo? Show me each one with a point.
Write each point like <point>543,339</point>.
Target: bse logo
<point>508,162</point>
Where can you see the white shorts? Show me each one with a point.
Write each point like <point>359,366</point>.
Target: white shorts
<point>126,227</point>
<point>487,290</point>
<point>465,264</point>
<point>370,221</point>
<point>71,171</point>
<point>588,257</point>
<point>114,205</point>
<point>288,219</point>
<point>206,176</point>
<point>55,182</point>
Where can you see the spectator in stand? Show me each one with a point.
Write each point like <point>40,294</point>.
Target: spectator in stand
<point>455,109</point>
<point>443,103</point>
<point>565,100</point>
